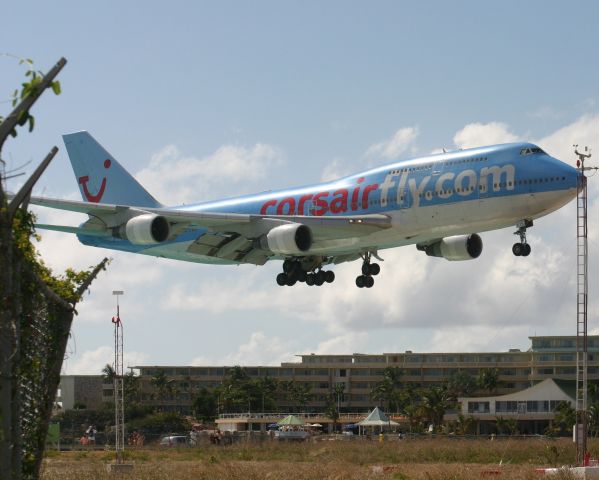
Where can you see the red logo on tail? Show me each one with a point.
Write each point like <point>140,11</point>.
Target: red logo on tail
<point>98,196</point>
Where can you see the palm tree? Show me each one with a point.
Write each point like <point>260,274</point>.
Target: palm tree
<point>332,410</point>
<point>565,417</point>
<point>436,401</point>
<point>266,388</point>
<point>488,379</point>
<point>108,374</point>
<point>300,395</point>
<point>461,384</point>
<point>465,425</point>
<point>131,387</point>
<point>161,383</point>
<point>386,389</point>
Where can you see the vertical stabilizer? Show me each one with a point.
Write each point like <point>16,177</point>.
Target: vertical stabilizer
<point>100,177</point>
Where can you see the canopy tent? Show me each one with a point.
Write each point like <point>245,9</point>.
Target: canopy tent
<point>291,420</point>
<point>377,418</point>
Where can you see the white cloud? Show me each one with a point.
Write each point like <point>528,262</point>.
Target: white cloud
<point>258,350</point>
<point>475,338</point>
<point>91,362</point>
<point>351,342</point>
<point>481,134</point>
<point>396,145</point>
<point>584,132</point>
<point>336,169</point>
<point>175,178</point>
<point>544,112</point>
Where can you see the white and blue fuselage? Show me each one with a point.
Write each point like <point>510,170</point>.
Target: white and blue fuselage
<point>427,198</point>
<point>438,202</point>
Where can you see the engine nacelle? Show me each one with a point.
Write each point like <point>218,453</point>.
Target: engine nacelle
<point>460,247</point>
<point>289,239</point>
<point>146,229</point>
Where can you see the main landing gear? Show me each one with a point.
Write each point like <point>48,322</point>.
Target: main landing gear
<point>295,271</point>
<point>522,249</point>
<point>369,270</point>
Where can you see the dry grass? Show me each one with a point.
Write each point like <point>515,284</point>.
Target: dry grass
<point>427,459</point>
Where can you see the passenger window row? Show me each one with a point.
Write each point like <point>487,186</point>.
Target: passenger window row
<point>482,188</point>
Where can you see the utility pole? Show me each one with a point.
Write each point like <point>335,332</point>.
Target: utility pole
<point>119,397</point>
<point>582,303</point>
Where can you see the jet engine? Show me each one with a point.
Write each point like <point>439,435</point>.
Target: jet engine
<point>460,247</point>
<point>146,229</point>
<point>289,239</point>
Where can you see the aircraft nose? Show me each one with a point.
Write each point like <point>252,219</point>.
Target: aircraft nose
<point>570,173</point>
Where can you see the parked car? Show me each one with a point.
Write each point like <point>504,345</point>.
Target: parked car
<point>174,441</point>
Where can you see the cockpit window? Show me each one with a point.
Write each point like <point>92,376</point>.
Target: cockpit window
<point>530,151</point>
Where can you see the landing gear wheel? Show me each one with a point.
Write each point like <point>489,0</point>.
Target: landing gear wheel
<point>366,268</point>
<point>517,249</point>
<point>282,279</point>
<point>369,282</point>
<point>320,278</point>
<point>329,276</point>
<point>374,269</point>
<point>361,281</point>
<point>291,281</point>
<point>310,280</point>
<point>522,249</point>
<point>301,276</point>
<point>288,265</point>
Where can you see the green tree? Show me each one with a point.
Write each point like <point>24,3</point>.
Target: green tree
<point>300,395</point>
<point>108,374</point>
<point>488,380</point>
<point>565,418</point>
<point>162,384</point>
<point>436,400</point>
<point>465,425</point>
<point>205,405</point>
<point>332,410</point>
<point>236,391</point>
<point>131,388</point>
<point>161,423</point>
<point>265,388</point>
<point>387,390</point>
<point>461,384</point>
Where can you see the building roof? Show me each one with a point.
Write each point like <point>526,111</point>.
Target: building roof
<point>548,389</point>
<point>377,418</point>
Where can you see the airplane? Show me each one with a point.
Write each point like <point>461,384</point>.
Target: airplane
<point>439,202</point>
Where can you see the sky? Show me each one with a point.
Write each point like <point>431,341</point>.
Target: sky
<point>202,100</point>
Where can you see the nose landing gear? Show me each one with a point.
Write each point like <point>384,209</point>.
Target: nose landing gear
<point>522,249</point>
<point>368,271</point>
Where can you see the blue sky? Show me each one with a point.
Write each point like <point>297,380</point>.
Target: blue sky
<point>207,99</point>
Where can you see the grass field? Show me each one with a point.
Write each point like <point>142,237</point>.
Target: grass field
<point>430,459</point>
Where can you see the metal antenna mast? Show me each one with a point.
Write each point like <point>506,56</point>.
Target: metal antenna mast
<point>582,301</point>
<point>119,396</point>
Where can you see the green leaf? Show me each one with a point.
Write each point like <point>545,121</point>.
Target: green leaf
<point>22,120</point>
<point>56,87</point>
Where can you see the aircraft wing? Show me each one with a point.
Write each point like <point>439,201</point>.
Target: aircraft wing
<point>230,233</point>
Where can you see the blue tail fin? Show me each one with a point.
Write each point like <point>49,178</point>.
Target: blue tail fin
<point>100,177</point>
